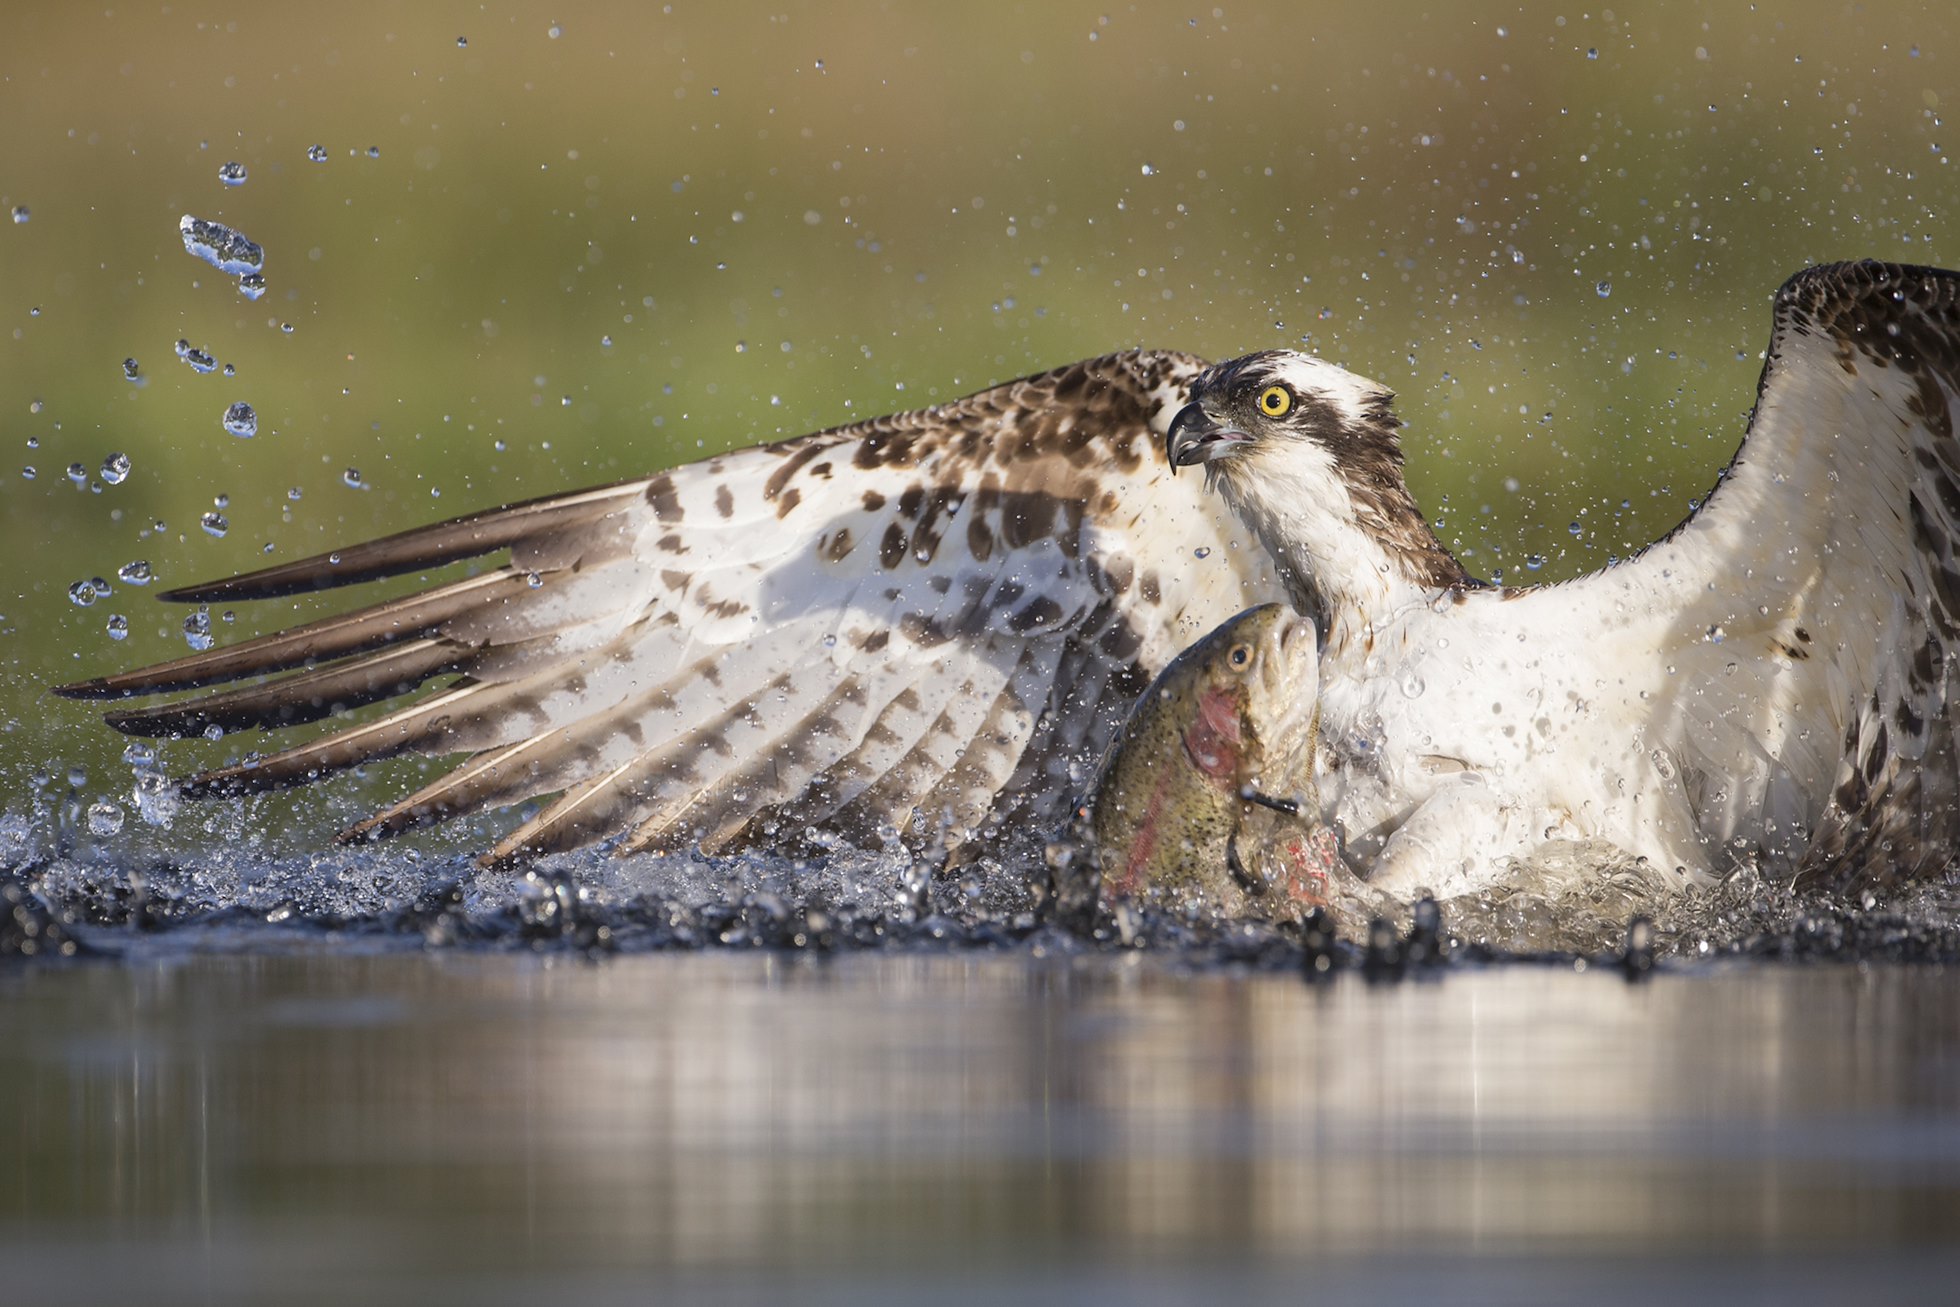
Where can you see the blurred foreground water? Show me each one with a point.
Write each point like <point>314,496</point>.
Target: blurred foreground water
<point>232,1114</point>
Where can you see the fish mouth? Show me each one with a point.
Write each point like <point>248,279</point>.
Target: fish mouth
<point>1197,437</point>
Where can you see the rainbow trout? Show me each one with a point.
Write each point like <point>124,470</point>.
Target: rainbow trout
<point>1207,797</point>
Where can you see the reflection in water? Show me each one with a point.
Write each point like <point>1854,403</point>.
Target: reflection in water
<point>468,1115</point>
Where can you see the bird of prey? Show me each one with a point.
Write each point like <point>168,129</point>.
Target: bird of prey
<point>930,623</point>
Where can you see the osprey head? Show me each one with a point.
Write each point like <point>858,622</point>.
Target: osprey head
<point>1271,402</point>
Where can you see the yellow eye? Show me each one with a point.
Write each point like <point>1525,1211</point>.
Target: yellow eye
<point>1275,400</point>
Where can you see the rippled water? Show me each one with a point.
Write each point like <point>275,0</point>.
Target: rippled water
<point>326,1122</point>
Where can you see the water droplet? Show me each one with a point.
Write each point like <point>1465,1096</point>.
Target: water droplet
<point>232,174</point>
<point>215,524</point>
<point>554,31</point>
<point>197,630</point>
<point>139,754</point>
<point>1533,562</point>
<point>115,469</point>
<point>132,370</point>
<point>316,153</point>
<point>21,214</point>
<point>293,493</point>
<point>78,473</point>
<point>118,627</point>
<point>105,818</point>
<point>82,594</point>
<point>136,572</point>
<point>220,246</point>
<point>1574,529</point>
<point>352,476</point>
<point>241,421</point>
<point>1202,551</point>
<point>1412,685</point>
<point>462,43</point>
<point>533,580</point>
<point>1150,170</point>
<point>252,285</point>
<point>374,152</point>
<point>1592,54</point>
<point>28,473</point>
<point>197,358</point>
<point>1603,289</point>
<point>1716,635</point>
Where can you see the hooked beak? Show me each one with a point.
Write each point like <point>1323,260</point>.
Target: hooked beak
<point>1197,437</point>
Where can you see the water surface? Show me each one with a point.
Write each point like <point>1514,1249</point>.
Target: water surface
<point>213,1126</point>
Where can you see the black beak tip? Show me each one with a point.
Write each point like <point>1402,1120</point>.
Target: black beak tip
<point>1179,439</point>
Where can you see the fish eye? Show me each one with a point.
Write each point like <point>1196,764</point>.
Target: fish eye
<point>1241,655</point>
<point>1274,401</point>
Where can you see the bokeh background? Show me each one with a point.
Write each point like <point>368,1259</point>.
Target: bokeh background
<point>548,246</point>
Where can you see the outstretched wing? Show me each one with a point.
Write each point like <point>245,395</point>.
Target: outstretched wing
<point>1822,587</point>
<point>936,614</point>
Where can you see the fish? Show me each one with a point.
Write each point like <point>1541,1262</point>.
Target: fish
<point>1206,800</point>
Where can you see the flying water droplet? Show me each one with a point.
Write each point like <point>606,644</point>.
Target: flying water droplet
<point>215,524</point>
<point>1533,562</point>
<point>1603,289</point>
<point>21,214</point>
<point>118,627</point>
<point>115,469</point>
<point>132,371</point>
<point>220,246</point>
<point>136,572</point>
<point>197,630</point>
<point>352,477</point>
<point>316,154</point>
<point>78,473</point>
<point>105,818</point>
<point>252,285</point>
<point>82,594</point>
<point>232,174</point>
<point>241,421</point>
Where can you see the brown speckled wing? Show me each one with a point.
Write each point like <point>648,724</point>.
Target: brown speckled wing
<point>1823,566</point>
<point>889,624</point>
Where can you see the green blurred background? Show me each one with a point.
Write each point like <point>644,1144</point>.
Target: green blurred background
<point>548,248</point>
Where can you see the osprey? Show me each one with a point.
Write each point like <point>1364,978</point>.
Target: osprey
<point>932,623</point>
